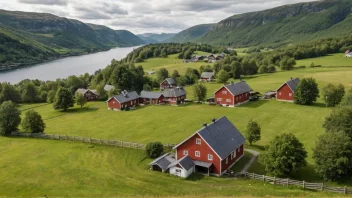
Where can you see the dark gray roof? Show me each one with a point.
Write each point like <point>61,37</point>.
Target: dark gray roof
<point>222,136</point>
<point>122,98</point>
<point>164,161</point>
<point>171,81</point>
<point>186,162</point>
<point>202,164</point>
<point>207,75</point>
<point>238,88</point>
<point>293,83</point>
<point>174,92</point>
<point>150,95</point>
<point>108,87</point>
<point>84,91</point>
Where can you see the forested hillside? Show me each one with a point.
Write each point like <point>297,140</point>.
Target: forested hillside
<point>27,38</point>
<point>191,34</point>
<point>289,24</point>
<point>155,38</point>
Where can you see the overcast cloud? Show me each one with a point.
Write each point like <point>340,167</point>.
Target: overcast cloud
<point>144,16</point>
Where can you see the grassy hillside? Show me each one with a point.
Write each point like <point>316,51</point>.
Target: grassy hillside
<point>331,60</point>
<point>27,38</point>
<point>191,33</point>
<point>312,20</point>
<point>38,168</point>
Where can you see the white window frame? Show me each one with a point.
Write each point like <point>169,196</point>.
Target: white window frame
<point>280,93</point>
<point>210,157</point>
<point>219,99</point>
<point>233,154</point>
<point>228,100</point>
<point>198,141</point>
<point>290,94</point>
<point>197,153</point>
<point>185,152</point>
<point>227,160</point>
<point>224,92</point>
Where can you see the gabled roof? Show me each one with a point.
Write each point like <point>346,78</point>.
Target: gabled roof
<point>108,87</point>
<point>207,75</point>
<point>174,92</point>
<point>150,95</point>
<point>221,136</point>
<point>185,162</point>
<point>237,88</point>
<point>170,81</point>
<point>164,161</point>
<point>292,84</point>
<point>126,97</point>
<point>84,91</point>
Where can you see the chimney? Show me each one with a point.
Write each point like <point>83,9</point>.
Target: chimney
<point>205,125</point>
<point>291,78</point>
<point>213,120</point>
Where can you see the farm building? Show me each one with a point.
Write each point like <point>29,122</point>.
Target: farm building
<point>211,57</point>
<point>220,57</point>
<point>183,167</point>
<point>148,97</point>
<point>162,163</point>
<point>175,95</point>
<point>88,94</point>
<point>286,91</point>
<point>168,83</point>
<point>233,94</point>
<point>108,88</point>
<point>207,76</point>
<point>123,101</point>
<point>214,149</point>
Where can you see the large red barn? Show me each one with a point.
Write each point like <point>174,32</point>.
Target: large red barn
<point>233,94</point>
<point>214,149</point>
<point>287,91</point>
<point>175,96</point>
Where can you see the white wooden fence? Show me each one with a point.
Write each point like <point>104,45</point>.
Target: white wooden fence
<point>302,184</point>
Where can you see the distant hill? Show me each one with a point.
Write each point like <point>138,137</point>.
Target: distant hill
<point>28,38</point>
<point>283,25</point>
<point>191,34</point>
<point>155,38</point>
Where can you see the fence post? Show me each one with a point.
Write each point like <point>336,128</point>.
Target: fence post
<point>90,140</point>
<point>287,181</point>
<point>253,175</point>
<point>304,184</point>
<point>263,178</point>
<point>100,141</point>
<point>322,187</point>
<point>345,190</point>
<point>66,137</point>
<point>274,180</point>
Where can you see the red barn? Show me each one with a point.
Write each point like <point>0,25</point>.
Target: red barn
<point>207,76</point>
<point>233,94</point>
<point>214,149</point>
<point>174,96</point>
<point>89,94</point>
<point>124,100</point>
<point>287,91</point>
<point>148,97</point>
<point>168,83</point>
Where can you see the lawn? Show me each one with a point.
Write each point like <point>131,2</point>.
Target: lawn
<point>39,168</point>
<point>238,167</point>
<point>333,60</point>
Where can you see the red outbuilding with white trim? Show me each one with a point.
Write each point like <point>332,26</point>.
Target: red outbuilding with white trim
<point>287,91</point>
<point>233,94</point>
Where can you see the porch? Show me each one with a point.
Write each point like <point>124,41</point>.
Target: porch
<point>204,168</point>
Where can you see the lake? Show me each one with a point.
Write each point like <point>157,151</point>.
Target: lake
<point>62,68</point>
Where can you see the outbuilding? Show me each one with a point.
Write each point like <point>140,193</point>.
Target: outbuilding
<point>148,97</point>
<point>286,92</point>
<point>183,167</point>
<point>233,94</point>
<point>207,76</point>
<point>123,101</point>
<point>89,94</point>
<point>168,83</point>
<point>175,95</point>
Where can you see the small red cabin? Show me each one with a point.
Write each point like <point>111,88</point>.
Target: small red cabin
<point>214,149</point>
<point>233,94</point>
<point>175,96</point>
<point>207,76</point>
<point>287,91</point>
<point>148,97</point>
<point>89,94</point>
<point>168,83</point>
<point>123,101</point>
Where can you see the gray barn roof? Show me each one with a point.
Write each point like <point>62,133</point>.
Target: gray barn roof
<point>163,161</point>
<point>108,87</point>
<point>150,95</point>
<point>293,83</point>
<point>207,75</point>
<point>238,88</point>
<point>222,136</point>
<point>174,92</point>
<point>84,91</point>
<point>186,162</point>
<point>171,81</point>
<point>122,98</point>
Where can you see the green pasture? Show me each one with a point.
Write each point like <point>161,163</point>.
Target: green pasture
<point>331,60</point>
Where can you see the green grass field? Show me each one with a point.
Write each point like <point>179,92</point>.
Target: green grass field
<point>38,168</point>
<point>332,60</point>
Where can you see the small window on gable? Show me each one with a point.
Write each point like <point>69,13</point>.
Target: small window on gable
<point>227,160</point>
<point>197,154</point>
<point>185,152</point>
<point>210,157</point>
<point>224,92</point>
<point>198,141</point>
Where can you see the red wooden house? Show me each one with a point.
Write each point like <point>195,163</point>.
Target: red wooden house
<point>233,94</point>
<point>123,101</point>
<point>175,95</point>
<point>287,91</point>
<point>89,94</point>
<point>207,76</point>
<point>148,97</point>
<point>214,149</point>
<point>168,83</point>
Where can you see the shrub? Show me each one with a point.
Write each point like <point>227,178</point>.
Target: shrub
<point>154,149</point>
<point>253,132</point>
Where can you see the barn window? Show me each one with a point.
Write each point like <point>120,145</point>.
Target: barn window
<point>290,94</point>
<point>233,154</point>
<point>224,92</point>
<point>185,152</point>
<point>227,160</point>
<point>279,93</point>
<point>197,154</point>
<point>198,141</point>
<point>219,99</point>
<point>210,157</point>
<point>228,100</point>
<point>236,99</point>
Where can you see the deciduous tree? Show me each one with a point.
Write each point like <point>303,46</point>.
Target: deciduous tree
<point>306,92</point>
<point>340,119</point>
<point>162,74</point>
<point>222,77</point>
<point>63,99</point>
<point>51,96</point>
<point>154,149</point>
<point>253,132</point>
<point>9,118</point>
<point>200,92</point>
<point>33,122</point>
<point>333,94</point>
<point>80,99</point>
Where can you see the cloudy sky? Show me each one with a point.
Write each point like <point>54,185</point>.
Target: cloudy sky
<point>144,16</point>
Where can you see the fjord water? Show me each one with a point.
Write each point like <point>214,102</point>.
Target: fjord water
<point>65,67</point>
